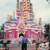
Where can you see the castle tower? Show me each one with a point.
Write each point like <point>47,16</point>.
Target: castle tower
<point>17,4</point>
<point>9,18</point>
<point>31,15</point>
<point>31,11</point>
<point>40,21</point>
<point>26,8</point>
<point>18,12</point>
<point>21,4</point>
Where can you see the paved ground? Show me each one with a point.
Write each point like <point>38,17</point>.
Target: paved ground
<point>19,48</point>
<point>11,47</point>
<point>29,48</point>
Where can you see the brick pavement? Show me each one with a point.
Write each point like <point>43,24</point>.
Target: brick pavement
<point>20,48</point>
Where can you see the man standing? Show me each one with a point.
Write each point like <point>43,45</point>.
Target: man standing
<point>24,43</point>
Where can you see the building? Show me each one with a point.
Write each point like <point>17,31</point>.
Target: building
<point>24,23</point>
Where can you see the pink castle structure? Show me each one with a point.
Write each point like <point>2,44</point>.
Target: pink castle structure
<point>24,23</point>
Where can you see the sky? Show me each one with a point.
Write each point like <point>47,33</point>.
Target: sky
<point>6,7</point>
<point>41,9</point>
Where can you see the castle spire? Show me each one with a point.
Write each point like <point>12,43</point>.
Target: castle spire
<point>18,12</point>
<point>31,12</point>
<point>40,21</point>
<point>26,8</point>
<point>17,4</point>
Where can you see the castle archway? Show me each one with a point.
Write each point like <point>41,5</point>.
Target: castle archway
<point>21,34</point>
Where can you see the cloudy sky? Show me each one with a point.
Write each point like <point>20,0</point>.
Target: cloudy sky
<point>6,7</point>
<point>41,9</point>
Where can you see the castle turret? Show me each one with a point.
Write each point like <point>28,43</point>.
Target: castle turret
<point>31,11</point>
<point>40,22</point>
<point>26,8</point>
<point>18,12</point>
<point>17,4</point>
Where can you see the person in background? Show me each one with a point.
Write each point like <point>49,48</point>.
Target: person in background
<point>5,46</point>
<point>20,39</point>
<point>44,46</point>
<point>47,45</point>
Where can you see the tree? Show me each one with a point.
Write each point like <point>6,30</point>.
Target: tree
<point>2,32</point>
<point>1,41</point>
<point>46,30</point>
<point>2,27</point>
<point>47,33</point>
